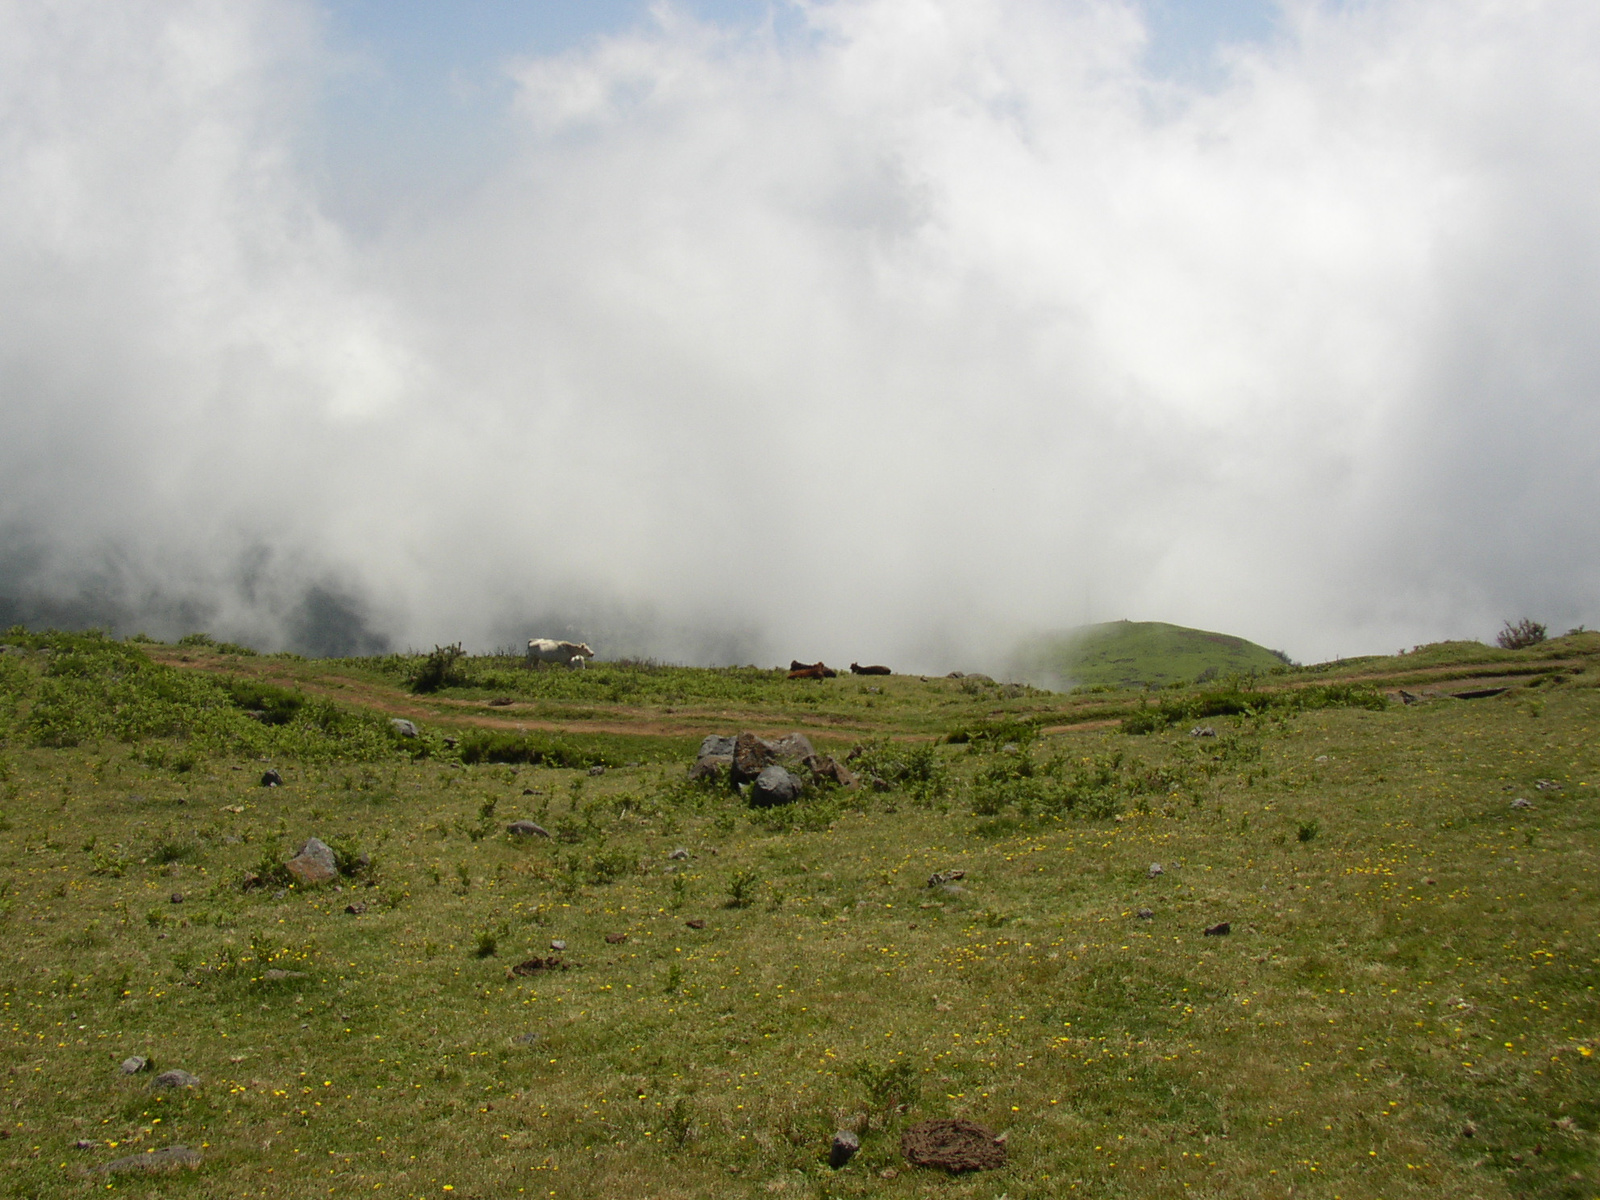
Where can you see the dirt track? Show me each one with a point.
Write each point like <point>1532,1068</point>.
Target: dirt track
<point>476,714</point>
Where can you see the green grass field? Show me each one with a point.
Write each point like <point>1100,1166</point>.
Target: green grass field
<point>1122,654</point>
<point>1404,1005</point>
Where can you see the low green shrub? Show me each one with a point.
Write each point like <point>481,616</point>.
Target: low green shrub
<point>440,669</point>
<point>994,734</point>
<point>498,746</point>
<point>1177,710</point>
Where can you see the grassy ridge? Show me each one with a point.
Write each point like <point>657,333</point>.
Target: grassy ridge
<point>1122,654</point>
<point>1410,956</point>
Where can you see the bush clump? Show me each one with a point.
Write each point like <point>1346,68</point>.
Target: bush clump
<point>1177,710</point>
<point>1520,636</point>
<point>439,670</point>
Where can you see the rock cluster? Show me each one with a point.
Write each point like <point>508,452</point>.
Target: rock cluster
<point>770,766</point>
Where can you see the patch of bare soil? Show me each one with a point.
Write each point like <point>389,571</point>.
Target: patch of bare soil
<point>955,1146</point>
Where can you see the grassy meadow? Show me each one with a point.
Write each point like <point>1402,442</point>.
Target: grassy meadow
<point>1404,1004</point>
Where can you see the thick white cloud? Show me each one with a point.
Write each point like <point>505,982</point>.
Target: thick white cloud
<point>933,320</point>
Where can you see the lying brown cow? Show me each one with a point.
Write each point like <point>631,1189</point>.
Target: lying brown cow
<point>858,669</point>
<point>816,670</point>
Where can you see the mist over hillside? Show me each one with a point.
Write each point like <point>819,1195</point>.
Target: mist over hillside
<point>897,333</point>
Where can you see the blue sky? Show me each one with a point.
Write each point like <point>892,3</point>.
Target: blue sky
<point>420,112</point>
<point>421,39</point>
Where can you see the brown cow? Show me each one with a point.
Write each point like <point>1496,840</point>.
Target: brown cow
<point>816,670</point>
<point>858,669</point>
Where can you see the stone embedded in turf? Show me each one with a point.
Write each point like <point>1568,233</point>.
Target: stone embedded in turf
<point>844,1147</point>
<point>171,1158</point>
<point>271,778</point>
<point>313,863</point>
<point>1155,869</point>
<point>175,1078</point>
<point>133,1064</point>
<point>534,966</point>
<point>955,1146</point>
<point>527,829</point>
<point>403,727</point>
<point>1220,929</point>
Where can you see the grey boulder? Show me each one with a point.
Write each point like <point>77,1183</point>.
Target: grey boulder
<point>716,743</point>
<point>175,1078</point>
<point>403,727</point>
<point>527,829</point>
<point>793,745</point>
<point>313,864</point>
<point>776,785</point>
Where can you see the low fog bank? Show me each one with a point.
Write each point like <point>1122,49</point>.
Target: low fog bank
<point>938,325</point>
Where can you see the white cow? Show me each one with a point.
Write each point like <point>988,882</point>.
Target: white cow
<point>546,650</point>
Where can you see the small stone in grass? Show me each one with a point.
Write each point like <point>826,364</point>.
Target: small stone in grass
<point>1144,914</point>
<point>271,778</point>
<point>557,944</point>
<point>1155,869</point>
<point>845,1145</point>
<point>616,939</point>
<point>1220,929</point>
<point>679,854</point>
<point>527,829</point>
<point>133,1064</point>
<point>695,923</point>
<point>83,1144</point>
<point>177,897</point>
<point>175,1078</point>
<point>534,965</point>
<point>313,863</point>
<point>169,1159</point>
<point>1519,802</point>
<point>525,1039</point>
<point>355,910</point>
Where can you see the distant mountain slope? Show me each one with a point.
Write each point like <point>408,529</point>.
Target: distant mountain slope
<point>1139,653</point>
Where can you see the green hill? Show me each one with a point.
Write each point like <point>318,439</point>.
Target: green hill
<point>1141,653</point>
